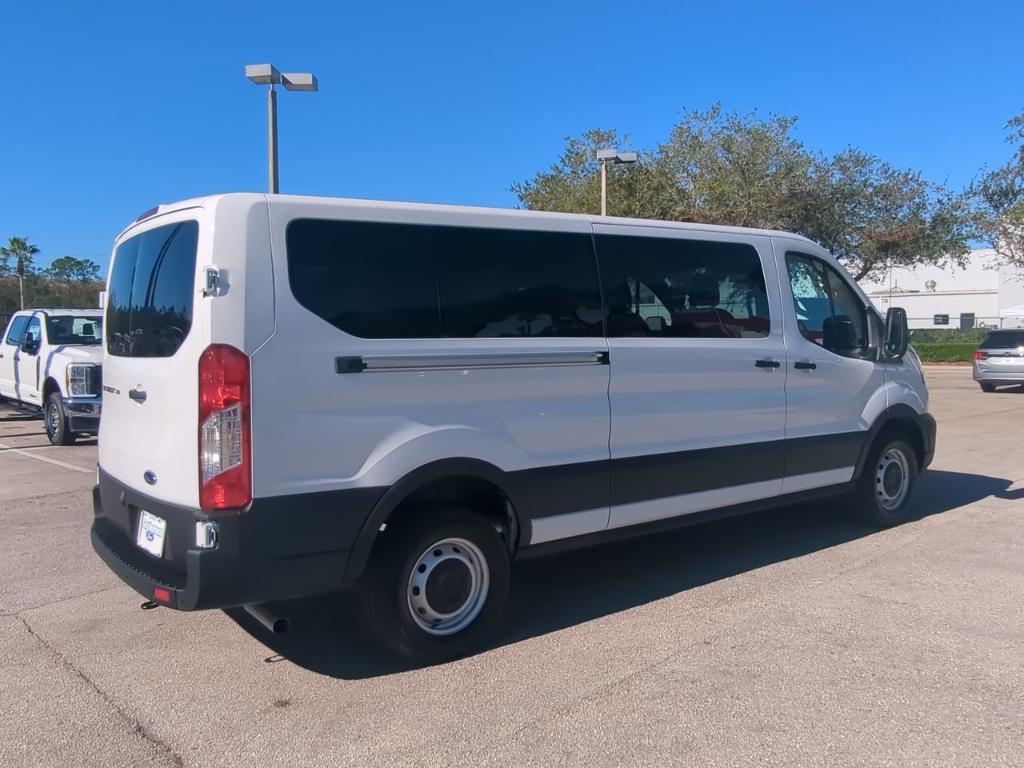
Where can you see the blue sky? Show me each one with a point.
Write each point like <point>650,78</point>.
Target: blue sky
<point>112,107</point>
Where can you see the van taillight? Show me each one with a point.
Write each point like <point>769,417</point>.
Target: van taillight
<point>979,355</point>
<point>225,443</point>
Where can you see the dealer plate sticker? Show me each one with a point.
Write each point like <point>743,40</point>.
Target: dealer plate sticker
<point>151,533</point>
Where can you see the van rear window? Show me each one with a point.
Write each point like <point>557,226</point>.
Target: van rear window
<point>1004,340</point>
<point>149,297</point>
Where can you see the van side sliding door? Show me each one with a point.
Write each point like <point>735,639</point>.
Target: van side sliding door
<point>698,370</point>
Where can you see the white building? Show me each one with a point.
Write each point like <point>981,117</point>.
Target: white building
<point>980,294</point>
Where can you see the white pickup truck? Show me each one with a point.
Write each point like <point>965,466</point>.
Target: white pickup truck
<point>51,359</point>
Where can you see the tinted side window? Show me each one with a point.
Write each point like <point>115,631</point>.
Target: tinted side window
<point>828,312</point>
<point>495,283</point>
<point>152,287</point>
<point>17,331</point>
<point>368,279</point>
<point>405,281</point>
<point>682,288</point>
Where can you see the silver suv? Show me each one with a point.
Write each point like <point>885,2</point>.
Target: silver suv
<point>1000,360</point>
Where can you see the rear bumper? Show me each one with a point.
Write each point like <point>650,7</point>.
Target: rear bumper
<point>998,377</point>
<point>273,551</point>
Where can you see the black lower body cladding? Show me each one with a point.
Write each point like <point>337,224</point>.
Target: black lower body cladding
<point>280,548</point>
<point>305,544</point>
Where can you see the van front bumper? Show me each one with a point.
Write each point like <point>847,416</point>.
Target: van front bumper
<point>280,548</point>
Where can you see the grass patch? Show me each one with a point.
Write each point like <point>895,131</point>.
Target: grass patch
<point>945,351</point>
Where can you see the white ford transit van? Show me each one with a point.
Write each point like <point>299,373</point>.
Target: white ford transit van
<point>302,395</point>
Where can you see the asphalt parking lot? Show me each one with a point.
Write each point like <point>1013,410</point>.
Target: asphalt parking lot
<point>792,637</point>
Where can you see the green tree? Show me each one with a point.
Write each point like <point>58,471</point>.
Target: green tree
<point>872,216</point>
<point>16,257</point>
<point>22,252</point>
<point>998,198</point>
<point>69,269</point>
<point>749,170</point>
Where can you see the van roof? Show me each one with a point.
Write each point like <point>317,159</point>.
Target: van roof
<point>202,202</point>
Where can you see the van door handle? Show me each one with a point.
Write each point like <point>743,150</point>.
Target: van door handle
<point>805,365</point>
<point>138,395</point>
<point>767,363</point>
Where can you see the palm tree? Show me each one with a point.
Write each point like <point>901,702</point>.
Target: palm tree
<point>22,251</point>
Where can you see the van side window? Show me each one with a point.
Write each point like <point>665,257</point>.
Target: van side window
<point>409,281</point>
<point>828,312</point>
<point>152,286</point>
<point>17,331</point>
<point>502,283</point>
<point>682,288</point>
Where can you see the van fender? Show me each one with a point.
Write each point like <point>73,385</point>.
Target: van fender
<point>419,478</point>
<point>901,414</point>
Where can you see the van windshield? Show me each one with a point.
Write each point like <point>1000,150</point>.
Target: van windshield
<point>149,297</point>
<point>68,329</point>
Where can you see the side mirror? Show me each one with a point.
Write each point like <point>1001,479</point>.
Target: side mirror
<point>897,335</point>
<point>838,334</point>
<point>30,347</point>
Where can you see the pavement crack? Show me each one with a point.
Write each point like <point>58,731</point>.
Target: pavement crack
<point>134,725</point>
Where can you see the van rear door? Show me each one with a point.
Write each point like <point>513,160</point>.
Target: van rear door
<point>153,342</point>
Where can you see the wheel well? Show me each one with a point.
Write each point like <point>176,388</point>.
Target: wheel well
<point>49,387</point>
<point>473,493</point>
<point>908,430</point>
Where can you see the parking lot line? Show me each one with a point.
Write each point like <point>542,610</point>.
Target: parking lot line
<point>47,459</point>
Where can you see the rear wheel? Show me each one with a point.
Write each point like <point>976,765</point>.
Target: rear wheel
<point>885,488</point>
<point>436,590</point>
<point>55,418</point>
<point>986,387</point>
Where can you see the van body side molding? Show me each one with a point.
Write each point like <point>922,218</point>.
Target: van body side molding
<point>468,360</point>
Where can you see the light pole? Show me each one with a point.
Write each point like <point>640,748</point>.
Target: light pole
<point>616,157</point>
<point>267,74</point>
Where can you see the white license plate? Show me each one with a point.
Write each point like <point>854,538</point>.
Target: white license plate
<point>151,533</point>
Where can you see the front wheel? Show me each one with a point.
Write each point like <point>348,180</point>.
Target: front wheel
<point>884,491</point>
<point>55,418</point>
<point>436,591</point>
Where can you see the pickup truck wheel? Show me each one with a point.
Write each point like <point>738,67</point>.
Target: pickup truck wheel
<point>436,591</point>
<point>55,417</point>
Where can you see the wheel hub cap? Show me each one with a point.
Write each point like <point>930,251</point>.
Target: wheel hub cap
<point>892,478</point>
<point>448,586</point>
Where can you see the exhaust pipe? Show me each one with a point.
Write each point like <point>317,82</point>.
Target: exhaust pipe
<point>259,611</point>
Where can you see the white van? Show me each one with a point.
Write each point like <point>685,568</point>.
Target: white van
<point>308,394</point>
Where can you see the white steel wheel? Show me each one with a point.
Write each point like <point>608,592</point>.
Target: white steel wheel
<point>448,586</point>
<point>892,478</point>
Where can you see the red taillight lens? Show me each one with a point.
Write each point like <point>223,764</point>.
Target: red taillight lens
<point>979,355</point>
<point>225,444</point>
<point>161,594</point>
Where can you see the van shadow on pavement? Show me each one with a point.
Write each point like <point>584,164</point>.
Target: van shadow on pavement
<point>552,593</point>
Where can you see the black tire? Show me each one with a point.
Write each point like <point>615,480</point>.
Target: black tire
<point>387,595</point>
<point>892,459</point>
<point>986,387</point>
<point>55,421</point>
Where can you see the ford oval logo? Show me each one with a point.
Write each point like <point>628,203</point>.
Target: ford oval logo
<point>149,476</point>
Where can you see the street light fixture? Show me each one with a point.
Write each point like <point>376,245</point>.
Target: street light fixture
<point>267,74</point>
<point>604,156</point>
